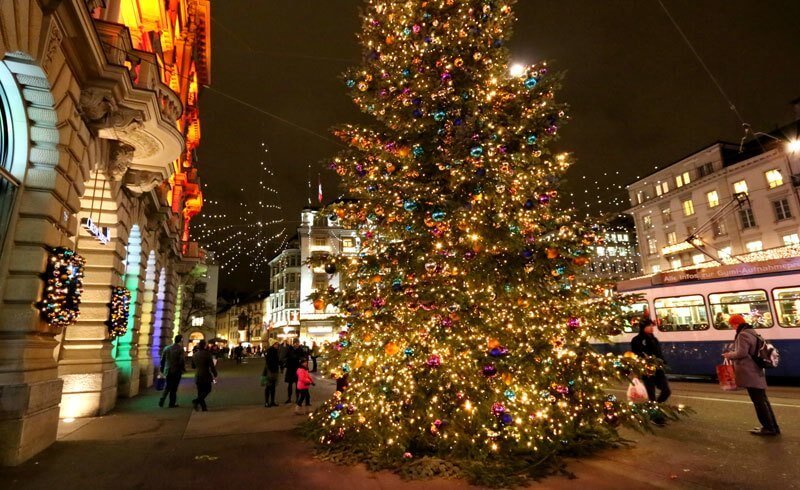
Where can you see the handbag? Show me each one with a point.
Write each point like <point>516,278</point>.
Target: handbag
<point>726,376</point>
<point>161,382</point>
<point>636,391</point>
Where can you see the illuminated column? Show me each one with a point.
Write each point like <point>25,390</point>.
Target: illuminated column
<point>158,320</point>
<point>125,346</point>
<point>146,330</point>
<point>85,362</point>
<point>169,310</point>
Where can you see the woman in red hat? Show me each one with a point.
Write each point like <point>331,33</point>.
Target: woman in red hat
<point>749,375</point>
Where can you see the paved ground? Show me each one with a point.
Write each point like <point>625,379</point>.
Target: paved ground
<point>241,444</point>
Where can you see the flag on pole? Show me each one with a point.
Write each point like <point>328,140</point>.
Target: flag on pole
<point>319,189</point>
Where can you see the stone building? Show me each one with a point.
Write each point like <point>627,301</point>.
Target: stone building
<point>243,320</point>
<point>729,199</point>
<point>618,256</point>
<point>320,235</point>
<point>283,303</point>
<point>99,119</point>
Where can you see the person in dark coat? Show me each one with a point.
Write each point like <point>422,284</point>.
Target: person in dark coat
<point>646,345</point>
<point>293,356</point>
<point>204,376</point>
<point>172,366</point>
<point>270,373</point>
<point>750,375</point>
<point>283,353</point>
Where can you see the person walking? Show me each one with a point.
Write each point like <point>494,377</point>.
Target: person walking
<point>304,382</point>
<point>293,356</point>
<point>646,344</point>
<point>204,376</point>
<point>270,373</point>
<point>749,375</point>
<point>314,356</point>
<point>172,367</point>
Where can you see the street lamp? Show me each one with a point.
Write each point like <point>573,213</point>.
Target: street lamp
<point>793,146</point>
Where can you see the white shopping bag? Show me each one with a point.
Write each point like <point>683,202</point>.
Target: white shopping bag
<point>636,391</point>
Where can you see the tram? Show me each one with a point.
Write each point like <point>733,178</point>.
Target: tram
<point>691,308</point>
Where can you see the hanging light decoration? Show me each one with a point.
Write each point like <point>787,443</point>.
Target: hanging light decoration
<point>60,306</point>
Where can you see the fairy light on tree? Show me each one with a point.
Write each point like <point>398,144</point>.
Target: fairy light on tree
<point>245,232</point>
<point>466,331</point>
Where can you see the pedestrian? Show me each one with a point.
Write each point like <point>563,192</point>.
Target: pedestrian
<point>205,375</point>
<point>293,356</point>
<point>238,352</point>
<point>314,356</point>
<point>283,353</point>
<point>749,375</point>
<point>304,382</point>
<point>270,373</point>
<point>172,367</point>
<point>646,344</point>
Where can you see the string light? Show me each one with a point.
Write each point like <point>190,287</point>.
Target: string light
<point>63,278</point>
<point>120,307</point>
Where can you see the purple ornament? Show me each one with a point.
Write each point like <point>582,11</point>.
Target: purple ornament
<point>498,409</point>
<point>573,323</point>
<point>378,302</point>
<point>446,76</point>
<point>489,370</point>
<point>551,129</point>
<point>498,352</point>
<point>544,199</point>
<point>416,28</point>
<point>434,361</point>
<point>469,255</point>
<point>447,322</point>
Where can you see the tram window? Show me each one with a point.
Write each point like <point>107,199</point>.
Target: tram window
<point>681,313</point>
<point>753,305</point>
<point>631,315</point>
<point>787,304</point>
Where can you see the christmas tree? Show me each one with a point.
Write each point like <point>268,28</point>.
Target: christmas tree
<point>465,331</point>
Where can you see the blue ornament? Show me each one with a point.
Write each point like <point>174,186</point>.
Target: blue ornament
<point>481,172</point>
<point>439,116</point>
<point>344,343</point>
<point>508,287</point>
<point>531,83</point>
<point>409,228</point>
<point>345,368</point>
<point>339,406</point>
<point>506,419</point>
<point>418,151</point>
<point>407,31</point>
<point>408,352</point>
<point>406,72</point>
<point>335,414</point>
<point>529,204</point>
<point>410,206</point>
<point>476,151</point>
<point>397,285</point>
<point>527,253</point>
<point>417,113</point>
<point>350,83</point>
<point>514,229</point>
<point>438,215</point>
<point>561,269</point>
<point>531,139</point>
<point>510,394</point>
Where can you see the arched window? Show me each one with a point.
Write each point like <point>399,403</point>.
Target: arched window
<point>11,169</point>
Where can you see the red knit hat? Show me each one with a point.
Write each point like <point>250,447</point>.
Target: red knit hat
<point>736,320</point>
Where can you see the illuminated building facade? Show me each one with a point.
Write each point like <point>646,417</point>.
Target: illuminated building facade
<point>98,126</point>
<point>617,256</point>
<point>283,303</point>
<point>732,199</point>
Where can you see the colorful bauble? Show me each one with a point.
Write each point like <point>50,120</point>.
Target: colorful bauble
<point>434,360</point>
<point>531,139</point>
<point>330,269</point>
<point>530,83</point>
<point>119,308</point>
<point>60,306</point>
<point>438,215</point>
<point>391,348</point>
<point>489,370</point>
<point>498,409</point>
<point>476,151</point>
<point>410,206</point>
<point>510,394</point>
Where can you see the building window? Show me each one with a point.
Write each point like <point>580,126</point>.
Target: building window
<point>640,198</point>
<point>682,179</point>
<point>705,169</point>
<point>698,259</point>
<point>655,269</point>
<point>747,218</point>
<point>791,239</point>
<point>713,199</point>
<point>676,263</point>
<point>774,178</point>
<point>725,252</point>
<point>754,246</point>
<point>320,242</point>
<point>652,246</point>
<point>662,188</point>
<point>647,222</point>
<point>720,229</point>
<point>666,215</point>
<point>688,207</point>
<point>782,210</point>
<point>740,187</point>
<point>672,238</point>
<point>348,243</point>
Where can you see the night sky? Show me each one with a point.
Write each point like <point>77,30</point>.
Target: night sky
<point>638,96</point>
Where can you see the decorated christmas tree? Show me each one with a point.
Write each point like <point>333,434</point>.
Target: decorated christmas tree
<point>465,331</point>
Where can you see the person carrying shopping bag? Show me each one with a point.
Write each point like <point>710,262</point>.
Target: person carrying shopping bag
<point>750,375</point>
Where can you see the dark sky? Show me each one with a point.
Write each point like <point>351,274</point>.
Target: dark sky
<point>638,96</point>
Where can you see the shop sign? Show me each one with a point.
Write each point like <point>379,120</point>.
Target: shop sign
<point>320,329</point>
<point>102,234</point>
